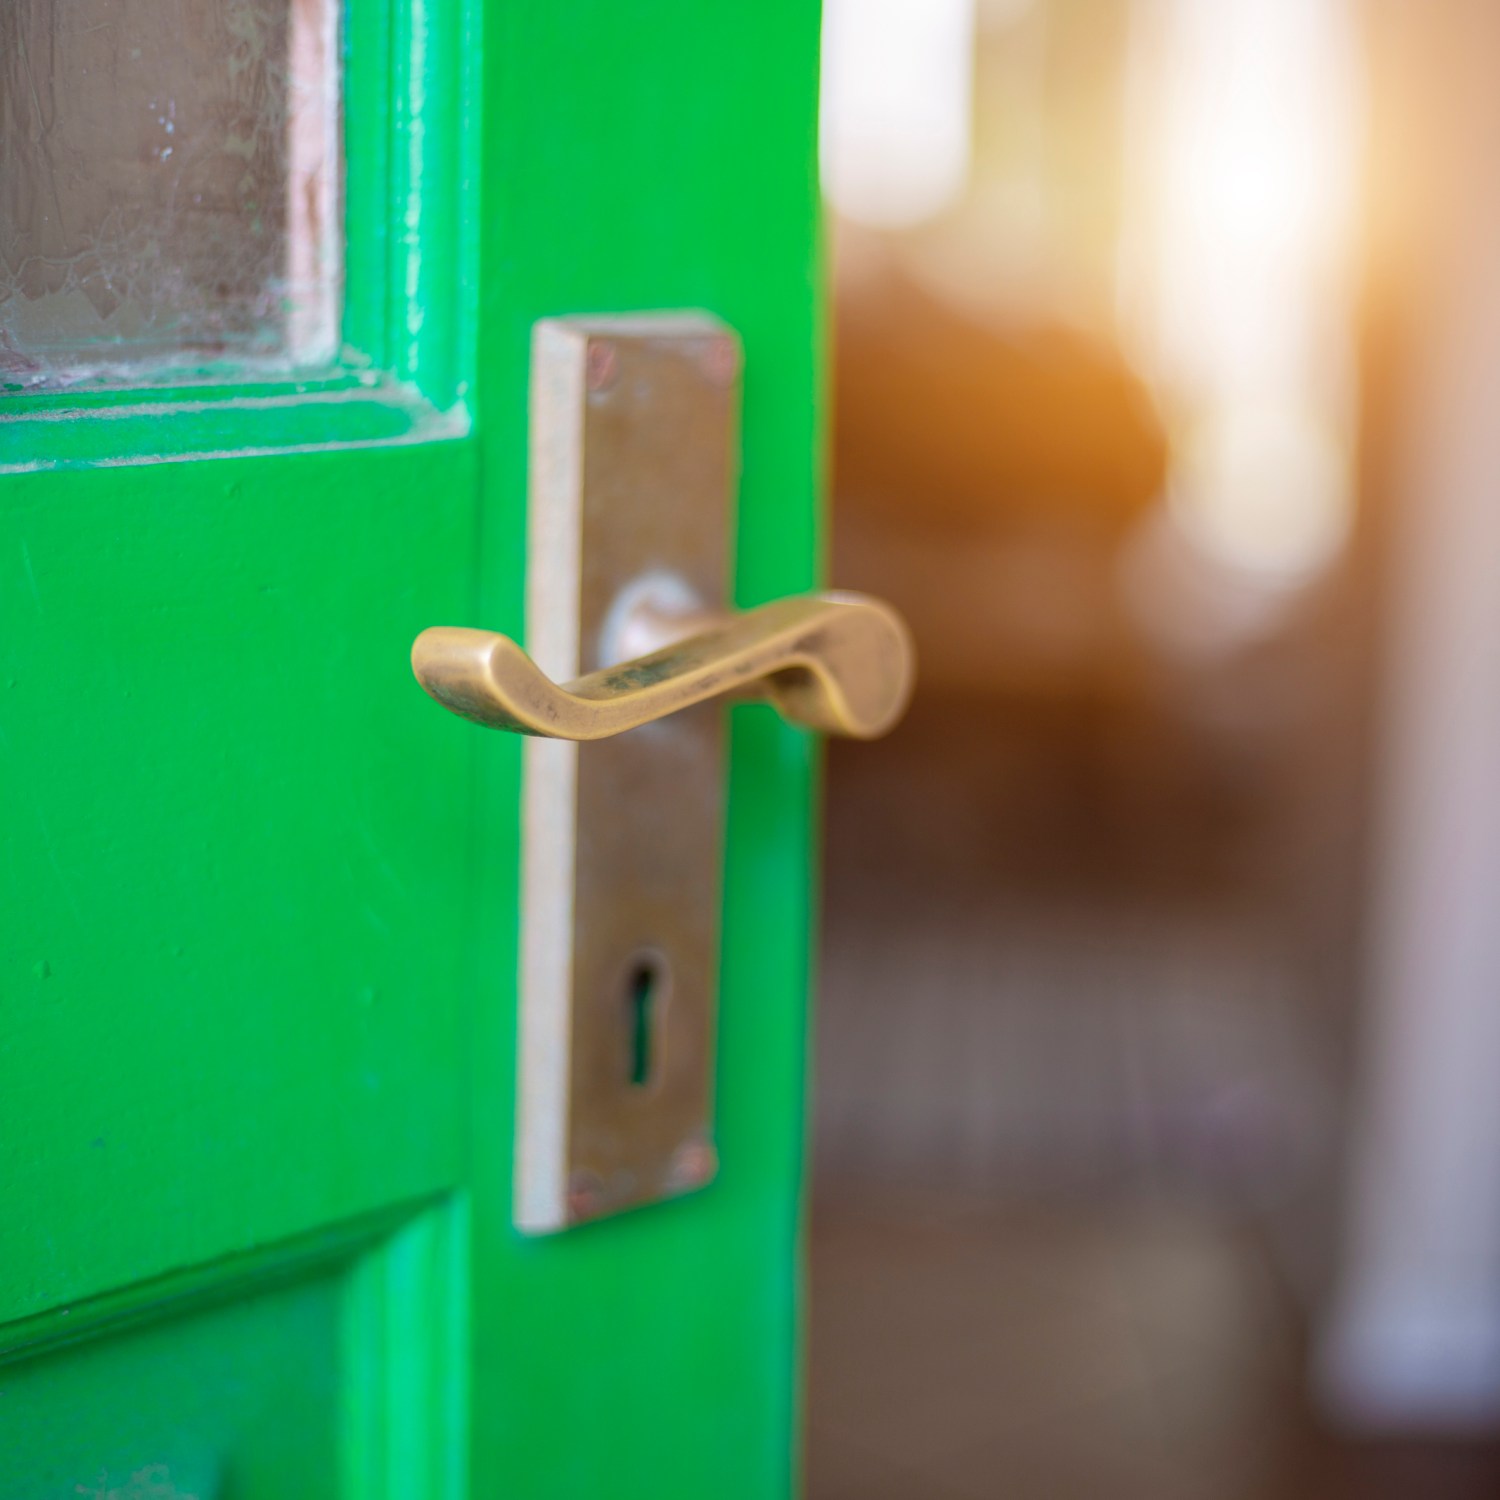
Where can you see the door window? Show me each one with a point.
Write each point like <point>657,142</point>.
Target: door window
<point>169,185</point>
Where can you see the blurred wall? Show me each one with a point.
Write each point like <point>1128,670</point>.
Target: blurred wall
<point>1413,1339</point>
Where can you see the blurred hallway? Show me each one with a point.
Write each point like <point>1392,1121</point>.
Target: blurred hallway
<point>1071,1093</point>
<point>1156,1125</point>
<point>1058,958</point>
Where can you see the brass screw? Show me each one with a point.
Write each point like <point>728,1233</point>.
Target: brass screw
<point>585,1194</point>
<point>693,1164</point>
<point>601,365</point>
<point>721,361</point>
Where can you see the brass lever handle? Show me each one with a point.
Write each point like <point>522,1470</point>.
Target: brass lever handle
<point>839,663</point>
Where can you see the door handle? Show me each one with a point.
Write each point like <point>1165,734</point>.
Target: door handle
<point>837,662</point>
<point>633,467</point>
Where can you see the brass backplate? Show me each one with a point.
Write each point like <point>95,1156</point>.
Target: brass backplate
<point>634,465</point>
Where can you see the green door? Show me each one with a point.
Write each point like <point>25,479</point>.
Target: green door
<point>268,275</point>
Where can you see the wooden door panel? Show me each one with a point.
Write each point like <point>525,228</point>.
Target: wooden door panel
<point>236,874</point>
<point>258,959</point>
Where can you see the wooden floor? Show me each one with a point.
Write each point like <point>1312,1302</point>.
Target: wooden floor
<point>1137,1352</point>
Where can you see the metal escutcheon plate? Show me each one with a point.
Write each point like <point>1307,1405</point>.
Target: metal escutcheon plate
<point>634,458</point>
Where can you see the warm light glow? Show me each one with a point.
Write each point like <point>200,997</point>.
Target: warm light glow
<point>897,107</point>
<point>1267,489</point>
<point>1238,274</point>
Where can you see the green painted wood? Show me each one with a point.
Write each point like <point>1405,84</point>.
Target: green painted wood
<point>256,1378</point>
<point>257,1039</point>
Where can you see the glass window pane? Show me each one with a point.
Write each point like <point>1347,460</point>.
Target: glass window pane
<point>169,186</point>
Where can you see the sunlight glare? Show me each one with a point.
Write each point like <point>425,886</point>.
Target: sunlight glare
<point>897,107</point>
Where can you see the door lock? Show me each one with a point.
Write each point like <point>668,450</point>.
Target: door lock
<point>634,464</point>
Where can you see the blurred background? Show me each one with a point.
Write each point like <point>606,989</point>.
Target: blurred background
<point>1157,1120</point>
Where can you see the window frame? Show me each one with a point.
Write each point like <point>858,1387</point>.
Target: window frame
<point>404,366</point>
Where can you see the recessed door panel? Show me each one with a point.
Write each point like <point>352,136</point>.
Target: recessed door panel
<point>323,1369</point>
<point>235,1399</point>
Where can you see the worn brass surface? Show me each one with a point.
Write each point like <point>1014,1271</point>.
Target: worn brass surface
<point>840,663</point>
<point>634,465</point>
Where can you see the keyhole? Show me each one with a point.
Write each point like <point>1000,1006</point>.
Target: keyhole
<point>642,996</point>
